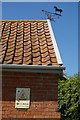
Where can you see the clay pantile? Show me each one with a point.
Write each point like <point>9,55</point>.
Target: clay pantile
<point>18,49</point>
<point>44,50</point>
<point>8,62</point>
<point>27,46</point>
<point>27,54</point>
<point>17,61</point>
<point>26,42</point>
<point>18,57</point>
<point>8,57</point>
<point>53,55</point>
<point>37,63</point>
<point>36,54</point>
<point>28,62</point>
<point>43,55</point>
<point>27,50</point>
<point>10,53</point>
<point>35,46</point>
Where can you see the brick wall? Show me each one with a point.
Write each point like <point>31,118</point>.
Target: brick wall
<point>43,96</point>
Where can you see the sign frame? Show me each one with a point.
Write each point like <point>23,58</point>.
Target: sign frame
<point>22,98</point>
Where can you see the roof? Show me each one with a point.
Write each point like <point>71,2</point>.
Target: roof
<point>28,42</point>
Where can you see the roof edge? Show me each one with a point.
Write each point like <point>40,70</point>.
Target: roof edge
<point>32,68</point>
<point>55,44</point>
<point>23,20</point>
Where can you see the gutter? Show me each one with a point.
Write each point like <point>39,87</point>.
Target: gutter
<point>32,68</point>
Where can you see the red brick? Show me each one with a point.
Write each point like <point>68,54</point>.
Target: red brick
<point>43,96</point>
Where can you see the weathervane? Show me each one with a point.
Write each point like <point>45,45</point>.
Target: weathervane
<point>53,15</point>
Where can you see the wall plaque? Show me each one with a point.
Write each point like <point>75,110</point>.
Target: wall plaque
<point>22,98</point>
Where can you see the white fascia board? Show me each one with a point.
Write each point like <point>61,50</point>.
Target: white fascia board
<point>54,44</point>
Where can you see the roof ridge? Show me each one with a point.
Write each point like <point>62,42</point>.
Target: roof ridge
<point>23,20</point>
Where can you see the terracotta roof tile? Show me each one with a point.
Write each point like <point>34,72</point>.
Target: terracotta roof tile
<point>26,42</point>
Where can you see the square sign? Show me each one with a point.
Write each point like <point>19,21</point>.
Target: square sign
<point>22,98</point>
